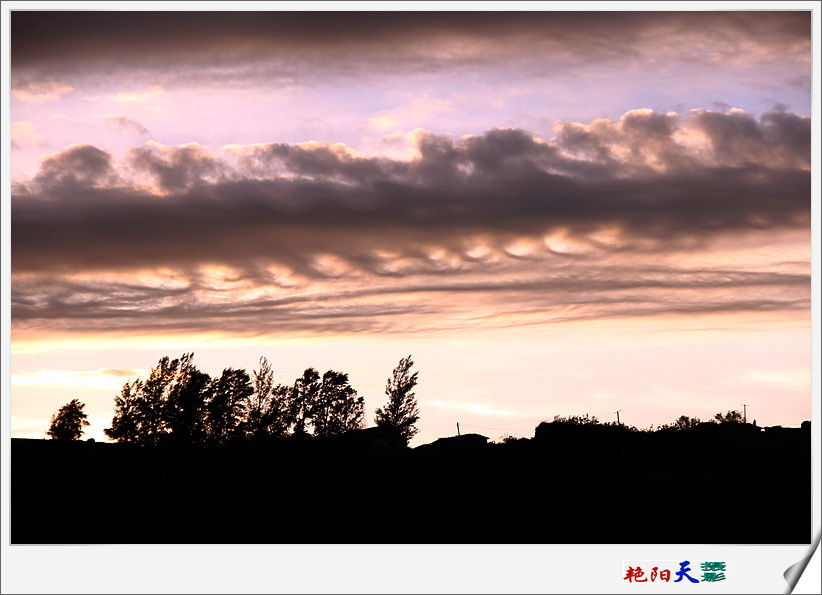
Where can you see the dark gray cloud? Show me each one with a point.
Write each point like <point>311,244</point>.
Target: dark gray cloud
<point>778,138</point>
<point>77,167</point>
<point>288,204</point>
<point>69,42</point>
<point>335,240</point>
<point>176,168</point>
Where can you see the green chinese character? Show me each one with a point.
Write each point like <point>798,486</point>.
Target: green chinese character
<point>714,566</point>
<point>712,577</point>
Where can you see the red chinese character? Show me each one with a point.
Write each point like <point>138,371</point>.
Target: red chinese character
<point>665,575</point>
<point>635,574</point>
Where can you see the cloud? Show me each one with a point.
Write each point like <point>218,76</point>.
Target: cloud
<point>102,379</point>
<point>417,112</point>
<point>40,92</point>
<point>78,166</point>
<point>644,139</point>
<point>289,203</point>
<point>469,301</point>
<point>796,379</point>
<point>779,138</point>
<point>147,94</point>
<point>176,168</point>
<point>499,294</point>
<point>25,133</point>
<point>281,44</point>
<point>477,408</point>
<point>126,124</point>
<point>499,228</point>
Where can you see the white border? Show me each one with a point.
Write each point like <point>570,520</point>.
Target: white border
<point>384,569</point>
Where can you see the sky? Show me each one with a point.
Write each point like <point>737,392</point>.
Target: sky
<point>553,213</point>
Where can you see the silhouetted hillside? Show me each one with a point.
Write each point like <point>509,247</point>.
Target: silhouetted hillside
<point>709,485</point>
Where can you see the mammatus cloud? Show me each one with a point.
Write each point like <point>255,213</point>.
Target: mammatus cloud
<point>476,230</point>
<point>696,176</point>
<point>497,295</point>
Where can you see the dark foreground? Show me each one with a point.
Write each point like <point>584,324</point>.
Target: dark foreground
<point>675,491</point>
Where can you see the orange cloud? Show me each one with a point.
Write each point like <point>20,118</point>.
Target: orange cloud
<point>150,93</point>
<point>40,92</point>
<point>25,133</point>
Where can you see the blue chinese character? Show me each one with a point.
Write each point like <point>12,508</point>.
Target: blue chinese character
<point>683,571</point>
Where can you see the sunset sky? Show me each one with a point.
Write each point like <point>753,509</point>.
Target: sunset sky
<point>554,213</point>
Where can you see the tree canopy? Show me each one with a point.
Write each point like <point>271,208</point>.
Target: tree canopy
<point>180,404</point>
<point>401,411</point>
<point>68,422</point>
<point>731,417</point>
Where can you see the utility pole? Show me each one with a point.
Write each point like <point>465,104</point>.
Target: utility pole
<point>458,428</point>
<point>744,413</point>
<point>619,434</point>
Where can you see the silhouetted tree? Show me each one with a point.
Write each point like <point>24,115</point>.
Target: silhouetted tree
<point>621,426</point>
<point>68,422</point>
<point>577,420</point>
<point>179,403</point>
<point>227,404</point>
<point>348,412</point>
<point>125,426</point>
<point>732,417</point>
<point>683,422</point>
<point>304,395</point>
<point>269,406</point>
<point>401,411</point>
<point>279,415</point>
<point>338,409</point>
<point>169,403</point>
<point>151,408</point>
<point>258,402</point>
<point>184,406</point>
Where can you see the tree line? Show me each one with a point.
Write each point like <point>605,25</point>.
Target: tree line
<point>683,422</point>
<point>179,404</point>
